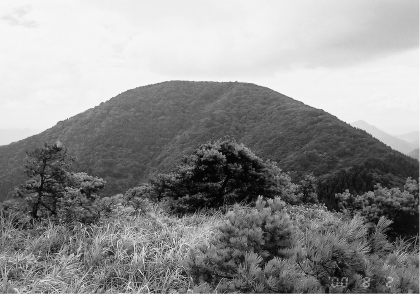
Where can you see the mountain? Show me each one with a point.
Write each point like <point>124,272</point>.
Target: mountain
<point>412,137</point>
<point>394,142</point>
<point>8,136</point>
<point>414,153</point>
<point>148,129</point>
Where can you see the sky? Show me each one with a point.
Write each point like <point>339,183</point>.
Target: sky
<point>356,59</point>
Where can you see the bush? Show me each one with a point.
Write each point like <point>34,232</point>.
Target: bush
<point>79,201</point>
<point>54,192</point>
<point>221,173</point>
<point>16,212</point>
<point>402,207</point>
<point>145,253</point>
<point>252,253</point>
<point>140,198</point>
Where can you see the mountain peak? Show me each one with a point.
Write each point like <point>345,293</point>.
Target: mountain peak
<point>148,129</point>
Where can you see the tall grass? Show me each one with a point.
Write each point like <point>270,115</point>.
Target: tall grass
<point>143,253</point>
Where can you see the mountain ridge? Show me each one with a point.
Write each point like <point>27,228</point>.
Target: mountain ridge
<point>414,153</point>
<point>148,129</point>
<point>411,137</point>
<point>395,143</point>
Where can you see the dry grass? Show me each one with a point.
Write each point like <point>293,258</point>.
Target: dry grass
<point>136,254</point>
<point>143,254</point>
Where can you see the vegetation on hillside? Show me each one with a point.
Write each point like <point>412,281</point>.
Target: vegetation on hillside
<point>53,191</point>
<point>402,207</point>
<point>148,129</point>
<point>220,173</point>
<point>414,153</point>
<point>390,172</point>
<point>267,244</point>
<point>147,252</point>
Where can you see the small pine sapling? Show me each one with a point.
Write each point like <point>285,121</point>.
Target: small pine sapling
<point>252,252</point>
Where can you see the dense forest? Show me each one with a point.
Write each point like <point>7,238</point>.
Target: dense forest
<point>148,129</point>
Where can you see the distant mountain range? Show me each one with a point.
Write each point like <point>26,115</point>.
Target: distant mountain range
<point>148,129</point>
<point>405,143</point>
<point>414,153</point>
<point>8,136</point>
<point>412,137</point>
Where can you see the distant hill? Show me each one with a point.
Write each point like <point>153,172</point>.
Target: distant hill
<point>392,141</point>
<point>8,136</point>
<point>414,153</point>
<point>412,137</point>
<point>148,129</point>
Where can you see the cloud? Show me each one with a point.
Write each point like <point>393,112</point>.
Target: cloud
<point>18,17</point>
<point>84,52</point>
<point>246,37</point>
<point>357,31</point>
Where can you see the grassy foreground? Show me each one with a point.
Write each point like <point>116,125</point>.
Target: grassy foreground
<point>142,253</point>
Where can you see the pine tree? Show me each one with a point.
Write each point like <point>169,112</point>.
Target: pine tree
<point>47,169</point>
<point>219,173</point>
<point>54,191</point>
<point>253,252</point>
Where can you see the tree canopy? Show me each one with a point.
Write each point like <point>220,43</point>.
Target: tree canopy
<point>218,173</point>
<point>53,190</point>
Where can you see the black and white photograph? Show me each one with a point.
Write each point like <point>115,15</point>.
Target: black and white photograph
<point>208,146</point>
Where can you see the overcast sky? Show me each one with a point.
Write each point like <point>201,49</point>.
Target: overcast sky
<point>358,60</point>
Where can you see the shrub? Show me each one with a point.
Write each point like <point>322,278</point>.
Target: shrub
<point>17,213</point>
<point>251,253</point>
<point>402,207</point>
<point>140,198</point>
<point>80,199</point>
<point>307,190</point>
<point>221,173</point>
<point>47,169</point>
<point>54,192</point>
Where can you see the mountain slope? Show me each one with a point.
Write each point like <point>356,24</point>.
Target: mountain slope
<point>148,129</point>
<point>414,153</point>
<point>412,137</point>
<point>394,142</point>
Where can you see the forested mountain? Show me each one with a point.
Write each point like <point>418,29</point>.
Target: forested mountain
<point>414,153</point>
<point>149,128</point>
<point>395,143</point>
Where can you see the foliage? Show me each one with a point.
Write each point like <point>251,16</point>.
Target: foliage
<point>47,169</point>
<point>16,212</point>
<point>307,190</point>
<point>80,201</point>
<point>390,172</point>
<point>344,257</point>
<point>335,254</point>
<point>148,129</point>
<point>140,198</point>
<point>402,207</point>
<point>145,252</point>
<point>250,253</point>
<point>141,253</point>
<point>219,173</point>
<point>54,191</point>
